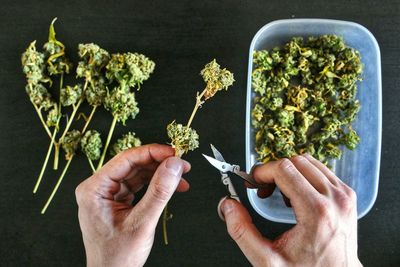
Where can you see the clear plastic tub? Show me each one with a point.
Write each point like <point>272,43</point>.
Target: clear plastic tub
<point>358,168</point>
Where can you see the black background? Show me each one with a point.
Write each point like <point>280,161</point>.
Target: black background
<point>180,36</point>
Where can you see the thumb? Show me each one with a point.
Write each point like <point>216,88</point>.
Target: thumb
<point>161,188</point>
<point>254,246</point>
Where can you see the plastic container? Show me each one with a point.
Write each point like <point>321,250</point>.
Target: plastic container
<point>358,168</point>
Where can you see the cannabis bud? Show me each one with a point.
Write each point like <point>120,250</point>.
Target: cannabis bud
<point>70,143</point>
<point>122,104</point>
<point>127,141</point>
<point>351,139</point>
<point>33,65</point>
<point>96,92</point>
<point>39,95</point>
<point>91,144</point>
<point>183,138</point>
<point>94,59</point>
<point>129,69</point>
<point>216,78</point>
<point>70,95</point>
<point>52,117</point>
<point>54,51</point>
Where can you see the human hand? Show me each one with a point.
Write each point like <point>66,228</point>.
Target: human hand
<point>325,210</point>
<point>115,233</point>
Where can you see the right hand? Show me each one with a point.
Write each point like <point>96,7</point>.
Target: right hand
<point>325,210</point>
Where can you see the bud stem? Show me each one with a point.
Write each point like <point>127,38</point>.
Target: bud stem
<point>45,162</point>
<point>179,153</point>
<point>199,102</point>
<point>57,186</point>
<point>89,119</point>
<point>57,127</point>
<point>42,120</point>
<point>110,133</point>
<point>165,217</point>
<point>91,165</point>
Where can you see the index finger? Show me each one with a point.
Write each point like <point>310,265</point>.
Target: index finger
<point>289,180</point>
<point>118,168</point>
<point>128,161</point>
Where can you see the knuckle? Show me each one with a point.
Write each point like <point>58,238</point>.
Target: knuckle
<point>347,200</point>
<point>286,165</point>
<point>121,154</point>
<point>160,192</point>
<point>324,209</point>
<point>237,231</point>
<point>125,153</point>
<point>79,192</point>
<point>83,190</point>
<point>298,159</point>
<point>351,194</point>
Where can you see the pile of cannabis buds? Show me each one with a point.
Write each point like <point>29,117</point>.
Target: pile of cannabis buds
<point>305,98</point>
<point>108,80</point>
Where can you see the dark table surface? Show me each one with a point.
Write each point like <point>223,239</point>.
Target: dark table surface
<point>181,36</point>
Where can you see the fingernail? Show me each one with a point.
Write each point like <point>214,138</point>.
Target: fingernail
<point>219,209</point>
<point>188,165</point>
<point>226,206</point>
<point>174,165</point>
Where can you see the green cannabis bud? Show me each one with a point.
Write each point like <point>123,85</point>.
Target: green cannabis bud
<point>70,143</point>
<point>183,138</point>
<point>70,95</point>
<point>94,59</point>
<point>129,69</point>
<point>351,139</point>
<point>52,117</point>
<point>55,54</point>
<point>96,93</point>
<point>39,95</point>
<point>122,104</point>
<point>127,141</point>
<point>305,98</point>
<point>216,78</point>
<point>33,65</point>
<point>91,144</point>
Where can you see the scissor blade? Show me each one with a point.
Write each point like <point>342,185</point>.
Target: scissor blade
<point>221,166</point>
<point>217,154</point>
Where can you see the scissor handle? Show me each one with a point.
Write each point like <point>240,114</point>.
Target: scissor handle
<point>247,177</point>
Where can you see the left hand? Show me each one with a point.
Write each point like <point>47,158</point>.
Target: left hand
<point>115,233</point>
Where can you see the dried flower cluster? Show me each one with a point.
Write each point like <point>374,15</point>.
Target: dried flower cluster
<point>70,143</point>
<point>305,98</point>
<point>127,141</point>
<point>128,71</point>
<point>91,144</point>
<point>183,138</point>
<point>100,71</point>
<point>215,78</point>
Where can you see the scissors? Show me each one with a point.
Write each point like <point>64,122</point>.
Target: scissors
<point>219,163</point>
<point>224,167</point>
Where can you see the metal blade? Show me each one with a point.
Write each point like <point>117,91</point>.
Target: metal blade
<point>217,154</point>
<point>221,166</point>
